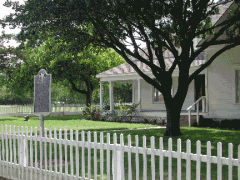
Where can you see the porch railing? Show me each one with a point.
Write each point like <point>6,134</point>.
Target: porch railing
<point>202,101</point>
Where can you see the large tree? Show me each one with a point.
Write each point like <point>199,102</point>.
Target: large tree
<point>159,25</point>
<point>8,54</point>
<point>75,70</point>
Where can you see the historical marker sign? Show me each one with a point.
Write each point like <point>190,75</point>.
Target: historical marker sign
<point>42,93</point>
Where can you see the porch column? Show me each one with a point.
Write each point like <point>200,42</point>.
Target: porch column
<point>111,98</point>
<point>139,95</point>
<point>133,91</point>
<point>101,98</point>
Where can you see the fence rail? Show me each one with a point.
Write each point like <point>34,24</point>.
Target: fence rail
<point>56,109</point>
<point>72,155</point>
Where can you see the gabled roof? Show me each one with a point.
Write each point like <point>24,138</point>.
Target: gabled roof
<point>223,15</point>
<point>125,68</point>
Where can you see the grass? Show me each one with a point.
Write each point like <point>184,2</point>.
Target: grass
<point>194,134</point>
<point>75,122</point>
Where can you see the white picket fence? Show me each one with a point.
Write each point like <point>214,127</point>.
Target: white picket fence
<point>56,109</point>
<point>73,155</point>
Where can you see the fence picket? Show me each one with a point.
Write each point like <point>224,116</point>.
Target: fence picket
<point>137,157</point>
<point>89,154</point>
<point>45,153</point>
<point>26,156</point>
<point>122,156</point>
<point>153,157</point>
<point>108,156</point>
<point>144,157</point>
<point>55,154</point>
<point>188,161</point>
<point>50,152</point>
<point>10,142</point>
<point>22,141</point>
<point>219,159</point>
<point>31,152</point>
<point>18,158</point>
<point>6,145</point>
<point>10,151</point>
<point>41,150</point>
<point>36,153</point>
<point>170,158</point>
<point>95,156</point>
<point>60,153</point>
<point>161,158</point>
<point>114,156</point>
<point>83,154</point>
<point>101,155</point>
<point>77,154</point>
<point>6,151</point>
<point>208,160</point>
<point>14,146</point>
<point>129,158</point>
<point>198,163</point>
<point>66,154</point>
<point>3,149</point>
<point>230,157</point>
<point>179,159</point>
<point>71,153</point>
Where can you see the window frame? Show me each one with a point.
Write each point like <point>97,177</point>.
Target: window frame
<point>153,95</point>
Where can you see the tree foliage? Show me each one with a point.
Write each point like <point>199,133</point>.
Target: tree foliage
<point>75,70</point>
<point>159,25</point>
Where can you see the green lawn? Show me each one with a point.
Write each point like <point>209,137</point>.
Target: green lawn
<point>75,122</point>
<point>194,134</point>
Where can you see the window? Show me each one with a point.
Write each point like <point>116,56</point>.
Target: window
<point>157,95</point>
<point>237,86</point>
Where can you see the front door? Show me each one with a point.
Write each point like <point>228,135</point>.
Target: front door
<point>199,86</point>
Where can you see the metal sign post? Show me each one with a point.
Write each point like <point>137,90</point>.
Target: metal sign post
<point>42,96</point>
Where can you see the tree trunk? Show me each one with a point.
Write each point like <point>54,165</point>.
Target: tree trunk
<point>89,98</point>
<point>173,108</point>
<point>173,121</point>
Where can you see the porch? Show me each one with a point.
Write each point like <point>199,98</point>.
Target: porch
<point>141,93</point>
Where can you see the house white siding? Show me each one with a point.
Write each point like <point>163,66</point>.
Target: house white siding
<point>190,97</point>
<point>147,96</point>
<point>221,84</point>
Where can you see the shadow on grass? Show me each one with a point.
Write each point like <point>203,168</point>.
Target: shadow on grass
<point>10,119</point>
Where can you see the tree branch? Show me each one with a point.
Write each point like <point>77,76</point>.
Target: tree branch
<point>209,62</point>
<point>74,87</point>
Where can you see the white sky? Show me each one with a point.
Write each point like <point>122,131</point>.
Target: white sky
<point>3,12</point>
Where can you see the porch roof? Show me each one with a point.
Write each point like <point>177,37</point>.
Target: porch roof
<point>125,68</point>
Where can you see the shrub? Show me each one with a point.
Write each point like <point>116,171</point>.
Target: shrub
<point>92,112</point>
<point>111,116</point>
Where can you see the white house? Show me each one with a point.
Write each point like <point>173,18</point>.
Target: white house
<point>218,86</point>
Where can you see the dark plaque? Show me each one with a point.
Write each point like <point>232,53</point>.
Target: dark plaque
<point>42,93</point>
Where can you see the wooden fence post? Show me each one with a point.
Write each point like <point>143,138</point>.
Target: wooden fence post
<point>23,145</point>
<point>117,163</point>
